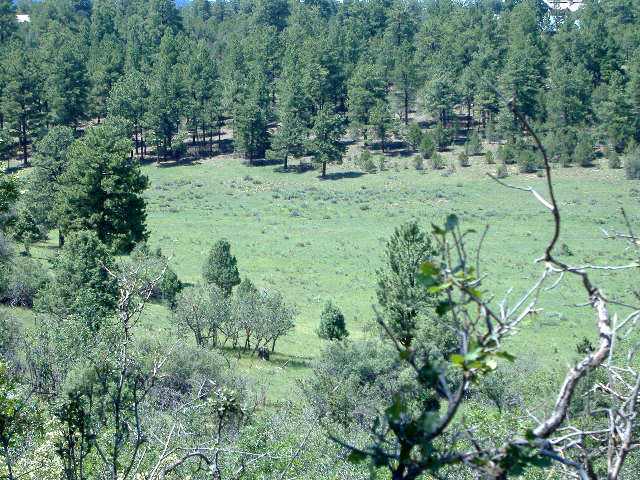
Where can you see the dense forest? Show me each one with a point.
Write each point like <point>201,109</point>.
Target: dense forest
<point>92,92</point>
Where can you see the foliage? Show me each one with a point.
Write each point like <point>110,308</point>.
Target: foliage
<point>221,267</point>
<point>437,161</point>
<point>613,157</point>
<point>632,165</point>
<point>463,159</point>
<point>427,146</point>
<point>100,182</point>
<point>332,323</point>
<point>399,294</point>
<point>365,162</point>
<point>473,145</point>
<point>584,153</point>
<point>529,161</point>
<point>83,285</point>
<point>442,137</point>
<point>414,136</point>
<point>489,158</point>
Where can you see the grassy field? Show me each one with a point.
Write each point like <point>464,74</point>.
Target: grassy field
<point>319,239</point>
<point>316,240</point>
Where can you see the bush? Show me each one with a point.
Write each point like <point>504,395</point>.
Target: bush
<point>380,160</point>
<point>507,154</point>
<point>443,137</point>
<point>437,161</point>
<point>560,144</point>
<point>27,278</point>
<point>418,162</point>
<point>365,162</point>
<point>584,153</point>
<point>332,324</point>
<point>632,165</point>
<point>502,171</point>
<point>221,268</point>
<point>615,162</point>
<point>463,159</point>
<point>414,136</point>
<point>490,159</point>
<point>529,162</point>
<point>473,145</point>
<point>427,146</point>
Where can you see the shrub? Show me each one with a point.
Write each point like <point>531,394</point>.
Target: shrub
<point>332,324</point>
<point>615,162</point>
<point>414,136</point>
<point>437,161</point>
<point>473,145</point>
<point>584,153</point>
<point>418,162</point>
<point>490,159</point>
<point>490,133</point>
<point>221,268</point>
<point>427,146</point>
<point>380,160</point>
<point>443,137</point>
<point>632,165</point>
<point>463,159</point>
<point>560,144</point>
<point>507,153</point>
<point>528,161</point>
<point>502,171</point>
<point>27,278</point>
<point>365,162</point>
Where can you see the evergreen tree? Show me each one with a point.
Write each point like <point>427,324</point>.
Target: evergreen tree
<point>22,101</point>
<point>251,117</point>
<point>400,295</point>
<point>82,286</point>
<point>67,83</point>
<point>332,324</point>
<point>49,163</point>
<point>101,189</point>
<point>365,91</point>
<point>327,132</point>
<point>8,22</point>
<point>128,99</point>
<point>221,267</point>
<point>165,95</point>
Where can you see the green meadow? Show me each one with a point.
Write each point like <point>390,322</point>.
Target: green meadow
<point>317,240</point>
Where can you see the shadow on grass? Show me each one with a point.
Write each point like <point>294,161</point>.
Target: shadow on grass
<point>341,175</point>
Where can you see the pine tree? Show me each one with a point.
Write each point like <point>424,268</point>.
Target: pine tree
<point>82,286</point>
<point>101,189</point>
<point>67,83</point>
<point>366,89</point>
<point>165,95</point>
<point>49,163</point>
<point>400,295</point>
<point>327,132</point>
<point>129,99</point>
<point>22,100</point>
<point>8,23</point>
<point>251,117</point>
<point>221,267</point>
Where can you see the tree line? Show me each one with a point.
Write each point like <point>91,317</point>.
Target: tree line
<point>290,77</point>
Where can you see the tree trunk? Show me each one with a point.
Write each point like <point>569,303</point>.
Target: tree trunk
<point>406,107</point>
<point>60,238</point>
<point>324,169</point>
<point>286,158</point>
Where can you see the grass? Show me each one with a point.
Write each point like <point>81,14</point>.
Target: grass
<point>316,240</point>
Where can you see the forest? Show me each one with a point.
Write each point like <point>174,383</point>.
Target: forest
<point>319,239</point>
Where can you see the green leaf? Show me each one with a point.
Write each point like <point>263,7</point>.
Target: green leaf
<point>429,269</point>
<point>457,359</point>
